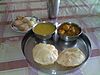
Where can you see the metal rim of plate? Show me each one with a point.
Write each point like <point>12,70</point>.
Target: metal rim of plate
<point>17,30</point>
<point>29,41</point>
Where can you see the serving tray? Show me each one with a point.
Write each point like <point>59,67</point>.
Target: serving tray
<point>29,41</point>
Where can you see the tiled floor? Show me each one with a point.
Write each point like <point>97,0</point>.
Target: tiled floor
<point>21,71</point>
<point>91,67</point>
<point>10,50</point>
<point>85,13</point>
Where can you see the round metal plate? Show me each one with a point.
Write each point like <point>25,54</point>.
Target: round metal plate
<point>29,41</point>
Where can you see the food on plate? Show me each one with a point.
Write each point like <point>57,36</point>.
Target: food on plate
<point>23,27</point>
<point>22,23</point>
<point>20,17</point>
<point>45,54</point>
<point>71,57</point>
<point>34,20</point>
<point>44,28</point>
<point>69,29</point>
<point>18,23</point>
<point>25,20</point>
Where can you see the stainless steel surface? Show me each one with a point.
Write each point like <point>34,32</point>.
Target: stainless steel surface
<point>29,41</point>
<point>53,8</point>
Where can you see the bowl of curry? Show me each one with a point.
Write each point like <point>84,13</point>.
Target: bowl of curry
<point>44,30</point>
<point>69,31</point>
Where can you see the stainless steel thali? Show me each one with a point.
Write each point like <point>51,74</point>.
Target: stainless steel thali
<point>29,41</point>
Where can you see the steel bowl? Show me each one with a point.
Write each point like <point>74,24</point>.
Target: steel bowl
<point>68,37</point>
<point>47,36</point>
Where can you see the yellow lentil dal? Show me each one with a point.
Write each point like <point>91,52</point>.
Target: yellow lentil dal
<point>44,28</point>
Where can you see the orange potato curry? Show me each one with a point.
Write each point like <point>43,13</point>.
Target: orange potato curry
<point>69,29</point>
